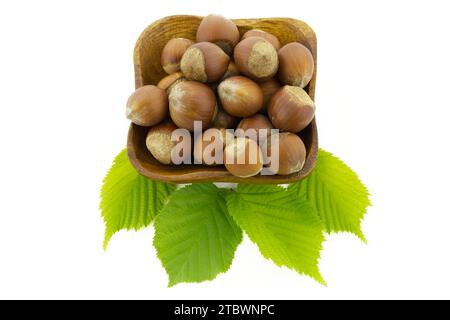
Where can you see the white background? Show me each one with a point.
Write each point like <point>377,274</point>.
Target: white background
<point>382,106</point>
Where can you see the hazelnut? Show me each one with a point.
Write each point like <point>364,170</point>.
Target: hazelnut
<point>208,148</point>
<point>262,34</point>
<point>191,101</point>
<point>219,30</point>
<point>296,64</point>
<point>169,81</point>
<point>291,151</point>
<point>256,122</point>
<point>268,88</point>
<point>256,58</point>
<point>240,96</point>
<point>159,142</point>
<point>172,53</point>
<point>243,157</point>
<point>291,109</point>
<point>204,62</point>
<point>231,71</point>
<point>224,120</point>
<point>147,106</point>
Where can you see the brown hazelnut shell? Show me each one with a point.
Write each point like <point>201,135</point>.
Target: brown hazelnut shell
<point>172,53</point>
<point>263,34</point>
<point>159,143</point>
<point>292,152</point>
<point>240,96</point>
<point>291,109</point>
<point>191,101</point>
<point>252,155</point>
<point>256,122</point>
<point>296,64</point>
<point>204,62</point>
<point>147,106</point>
<point>219,30</point>
<point>256,58</point>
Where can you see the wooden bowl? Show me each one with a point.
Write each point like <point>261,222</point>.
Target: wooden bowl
<point>148,70</point>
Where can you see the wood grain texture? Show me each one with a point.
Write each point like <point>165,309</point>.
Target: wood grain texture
<point>148,70</point>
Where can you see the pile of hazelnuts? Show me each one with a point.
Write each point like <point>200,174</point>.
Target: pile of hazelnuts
<point>229,82</point>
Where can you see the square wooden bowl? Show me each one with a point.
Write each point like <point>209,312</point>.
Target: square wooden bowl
<point>148,70</point>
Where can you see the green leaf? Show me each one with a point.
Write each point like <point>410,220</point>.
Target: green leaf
<point>285,228</point>
<point>194,236</point>
<point>128,200</point>
<point>336,192</point>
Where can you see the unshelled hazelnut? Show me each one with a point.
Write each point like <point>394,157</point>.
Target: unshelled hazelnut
<point>172,53</point>
<point>231,71</point>
<point>219,30</point>
<point>243,157</point>
<point>291,109</point>
<point>204,62</point>
<point>292,152</point>
<point>256,58</point>
<point>224,120</point>
<point>208,148</point>
<point>296,64</point>
<point>147,106</point>
<point>159,142</point>
<point>240,96</point>
<point>170,80</point>
<point>191,101</point>
<point>256,122</point>
<point>263,34</point>
<point>268,88</point>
